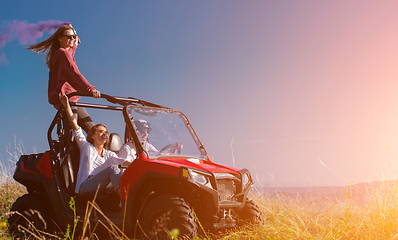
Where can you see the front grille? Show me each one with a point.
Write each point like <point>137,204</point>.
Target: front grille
<point>226,189</point>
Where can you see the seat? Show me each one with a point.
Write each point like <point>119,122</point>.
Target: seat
<point>115,142</point>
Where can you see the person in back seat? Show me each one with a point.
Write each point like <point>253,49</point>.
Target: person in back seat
<point>98,166</point>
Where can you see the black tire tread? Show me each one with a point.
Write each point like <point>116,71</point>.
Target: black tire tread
<point>250,214</point>
<point>24,205</point>
<point>179,212</point>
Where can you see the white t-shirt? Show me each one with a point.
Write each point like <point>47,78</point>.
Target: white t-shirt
<point>90,162</point>
<point>128,150</point>
<point>149,147</point>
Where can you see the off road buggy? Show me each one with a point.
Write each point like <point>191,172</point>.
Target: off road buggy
<point>159,191</point>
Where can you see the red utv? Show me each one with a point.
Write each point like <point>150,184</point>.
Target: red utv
<point>161,191</point>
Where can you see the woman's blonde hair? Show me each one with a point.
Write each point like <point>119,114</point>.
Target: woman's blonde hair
<point>50,45</point>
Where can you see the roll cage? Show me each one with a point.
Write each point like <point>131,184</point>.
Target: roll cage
<point>120,104</point>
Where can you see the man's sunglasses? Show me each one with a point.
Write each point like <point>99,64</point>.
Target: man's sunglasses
<point>144,130</point>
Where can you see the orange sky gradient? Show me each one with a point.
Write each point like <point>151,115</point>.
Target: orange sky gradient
<point>321,93</point>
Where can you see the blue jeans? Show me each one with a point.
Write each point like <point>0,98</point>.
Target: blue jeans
<point>102,179</point>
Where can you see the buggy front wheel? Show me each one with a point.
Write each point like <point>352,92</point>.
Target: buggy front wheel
<point>168,212</point>
<point>250,214</point>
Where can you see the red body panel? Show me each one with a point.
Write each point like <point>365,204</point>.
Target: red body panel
<point>44,166</point>
<point>168,166</point>
<point>138,167</point>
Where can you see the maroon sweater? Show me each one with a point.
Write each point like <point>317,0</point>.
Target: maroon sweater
<point>64,77</point>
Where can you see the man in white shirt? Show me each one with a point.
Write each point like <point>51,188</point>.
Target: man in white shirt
<point>143,129</point>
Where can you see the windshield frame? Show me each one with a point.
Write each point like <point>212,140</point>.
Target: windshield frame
<point>130,128</point>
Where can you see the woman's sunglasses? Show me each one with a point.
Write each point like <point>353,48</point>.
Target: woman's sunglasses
<point>103,131</point>
<point>70,36</point>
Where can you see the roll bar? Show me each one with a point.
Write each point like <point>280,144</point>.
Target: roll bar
<point>121,101</point>
<point>118,100</point>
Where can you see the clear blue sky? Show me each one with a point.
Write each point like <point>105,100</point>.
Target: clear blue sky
<point>306,91</point>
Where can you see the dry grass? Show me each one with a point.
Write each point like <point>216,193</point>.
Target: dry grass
<point>316,218</point>
<point>368,213</point>
<point>299,217</point>
<point>10,190</point>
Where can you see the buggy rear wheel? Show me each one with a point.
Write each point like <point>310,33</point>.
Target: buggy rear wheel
<point>165,213</point>
<point>28,216</point>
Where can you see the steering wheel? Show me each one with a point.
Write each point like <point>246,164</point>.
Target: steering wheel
<point>169,147</point>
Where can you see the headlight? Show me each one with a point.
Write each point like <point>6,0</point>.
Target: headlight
<point>245,178</point>
<point>199,178</point>
<point>247,181</point>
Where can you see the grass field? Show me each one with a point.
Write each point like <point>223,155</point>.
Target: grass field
<point>353,212</point>
<point>295,217</point>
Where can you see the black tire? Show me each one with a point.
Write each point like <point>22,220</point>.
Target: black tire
<point>165,213</point>
<point>250,214</point>
<point>33,213</point>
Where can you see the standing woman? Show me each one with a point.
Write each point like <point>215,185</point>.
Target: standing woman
<point>64,75</point>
